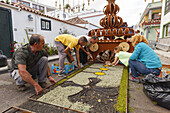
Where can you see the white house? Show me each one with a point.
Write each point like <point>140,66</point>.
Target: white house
<point>91,16</point>
<point>165,20</point>
<point>15,19</point>
<point>164,41</point>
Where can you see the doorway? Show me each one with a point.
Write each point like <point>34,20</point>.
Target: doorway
<point>6,32</point>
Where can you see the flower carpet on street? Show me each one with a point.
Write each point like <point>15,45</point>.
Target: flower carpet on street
<point>94,89</point>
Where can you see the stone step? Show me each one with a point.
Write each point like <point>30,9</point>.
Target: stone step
<point>165,41</point>
<point>164,47</point>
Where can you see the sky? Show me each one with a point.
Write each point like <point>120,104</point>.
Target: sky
<point>130,10</point>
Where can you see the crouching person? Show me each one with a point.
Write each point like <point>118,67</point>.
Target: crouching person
<point>30,62</point>
<point>143,59</point>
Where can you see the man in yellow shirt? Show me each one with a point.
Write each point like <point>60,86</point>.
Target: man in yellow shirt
<point>64,43</point>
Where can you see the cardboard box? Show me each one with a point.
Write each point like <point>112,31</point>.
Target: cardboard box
<point>68,68</point>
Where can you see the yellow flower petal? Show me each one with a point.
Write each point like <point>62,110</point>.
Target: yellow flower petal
<point>104,69</point>
<point>99,73</point>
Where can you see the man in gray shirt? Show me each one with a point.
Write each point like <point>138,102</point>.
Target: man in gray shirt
<point>30,62</point>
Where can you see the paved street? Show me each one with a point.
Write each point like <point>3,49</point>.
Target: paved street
<point>138,101</point>
<point>10,96</point>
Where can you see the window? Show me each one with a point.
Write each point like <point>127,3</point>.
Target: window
<point>167,6</point>
<point>156,16</point>
<point>167,30</point>
<point>45,24</point>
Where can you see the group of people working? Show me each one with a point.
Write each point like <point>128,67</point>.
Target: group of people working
<point>31,60</point>
<point>143,60</point>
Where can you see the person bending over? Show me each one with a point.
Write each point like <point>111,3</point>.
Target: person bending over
<point>121,56</point>
<point>84,50</point>
<point>64,43</point>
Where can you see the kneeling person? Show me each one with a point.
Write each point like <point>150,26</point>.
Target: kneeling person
<point>31,61</point>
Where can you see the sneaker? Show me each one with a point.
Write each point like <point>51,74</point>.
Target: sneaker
<point>22,87</point>
<point>75,67</point>
<point>62,75</point>
<point>137,80</point>
<point>42,84</point>
<point>85,65</point>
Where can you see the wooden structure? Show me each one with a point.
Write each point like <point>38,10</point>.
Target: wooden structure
<point>114,32</point>
<point>104,45</point>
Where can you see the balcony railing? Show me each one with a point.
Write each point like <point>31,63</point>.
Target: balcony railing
<point>151,22</point>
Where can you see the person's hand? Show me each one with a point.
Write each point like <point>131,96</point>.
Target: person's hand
<point>113,64</point>
<point>79,66</point>
<point>52,80</point>
<point>72,59</point>
<point>88,53</point>
<point>128,39</point>
<point>108,63</point>
<point>38,89</point>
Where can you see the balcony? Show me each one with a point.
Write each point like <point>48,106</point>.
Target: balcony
<point>151,22</point>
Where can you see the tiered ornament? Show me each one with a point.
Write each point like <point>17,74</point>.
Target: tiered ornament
<point>114,33</point>
<point>112,23</point>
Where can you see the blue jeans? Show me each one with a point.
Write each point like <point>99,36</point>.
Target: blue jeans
<point>120,62</point>
<point>139,68</point>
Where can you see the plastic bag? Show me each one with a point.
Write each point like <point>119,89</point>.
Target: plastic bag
<point>157,89</point>
<point>3,59</point>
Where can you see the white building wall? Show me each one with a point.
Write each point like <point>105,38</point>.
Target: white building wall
<point>92,27</point>
<point>95,20</point>
<point>87,13</point>
<point>20,22</point>
<point>89,26</point>
<point>55,29</point>
<point>165,19</point>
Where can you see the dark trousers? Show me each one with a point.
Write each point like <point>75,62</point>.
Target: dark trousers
<point>83,56</point>
<point>139,68</point>
<point>40,70</point>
